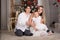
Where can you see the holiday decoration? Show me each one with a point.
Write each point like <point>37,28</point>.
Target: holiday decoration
<point>32,3</point>
<point>58,0</point>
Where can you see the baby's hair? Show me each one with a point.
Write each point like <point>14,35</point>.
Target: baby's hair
<point>36,10</point>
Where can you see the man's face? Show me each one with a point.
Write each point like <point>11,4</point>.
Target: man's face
<point>28,9</point>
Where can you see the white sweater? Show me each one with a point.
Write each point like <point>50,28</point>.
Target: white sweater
<point>22,19</point>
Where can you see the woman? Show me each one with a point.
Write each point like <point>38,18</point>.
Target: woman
<point>23,24</point>
<point>38,28</point>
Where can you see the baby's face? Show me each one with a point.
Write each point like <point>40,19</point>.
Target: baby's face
<point>36,14</point>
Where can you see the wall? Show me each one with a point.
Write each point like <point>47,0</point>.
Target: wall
<point>59,12</point>
<point>8,11</point>
<point>53,11</point>
<point>3,14</point>
<point>0,14</point>
<point>40,2</point>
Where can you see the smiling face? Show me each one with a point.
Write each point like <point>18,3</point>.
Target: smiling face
<point>28,9</point>
<point>40,10</point>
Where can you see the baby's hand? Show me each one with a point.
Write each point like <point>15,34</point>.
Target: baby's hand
<point>36,29</point>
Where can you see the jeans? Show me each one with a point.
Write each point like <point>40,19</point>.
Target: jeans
<point>21,33</point>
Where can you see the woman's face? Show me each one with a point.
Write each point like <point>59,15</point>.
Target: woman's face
<point>28,9</point>
<point>40,10</point>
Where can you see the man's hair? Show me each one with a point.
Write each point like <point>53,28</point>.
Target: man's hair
<point>26,7</point>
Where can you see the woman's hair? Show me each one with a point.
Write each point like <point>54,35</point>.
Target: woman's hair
<point>42,12</point>
<point>36,10</point>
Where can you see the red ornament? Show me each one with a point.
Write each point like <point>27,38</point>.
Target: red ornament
<point>35,1</point>
<point>58,0</point>
<point>29,3</point>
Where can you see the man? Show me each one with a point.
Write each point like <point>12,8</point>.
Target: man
<point>22,26</point>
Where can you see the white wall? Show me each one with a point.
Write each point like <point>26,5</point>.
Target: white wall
<point>53,11</point>
<point>40,2</point>
<point>3,14</point>
<point>0,14</point>
<point>59,12</point>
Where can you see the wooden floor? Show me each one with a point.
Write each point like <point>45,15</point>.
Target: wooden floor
<point>5,35</point>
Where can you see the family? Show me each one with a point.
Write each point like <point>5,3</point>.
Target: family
<point>31,24</point>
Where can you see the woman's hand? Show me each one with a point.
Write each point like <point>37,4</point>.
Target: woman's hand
<point>27,23</point>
